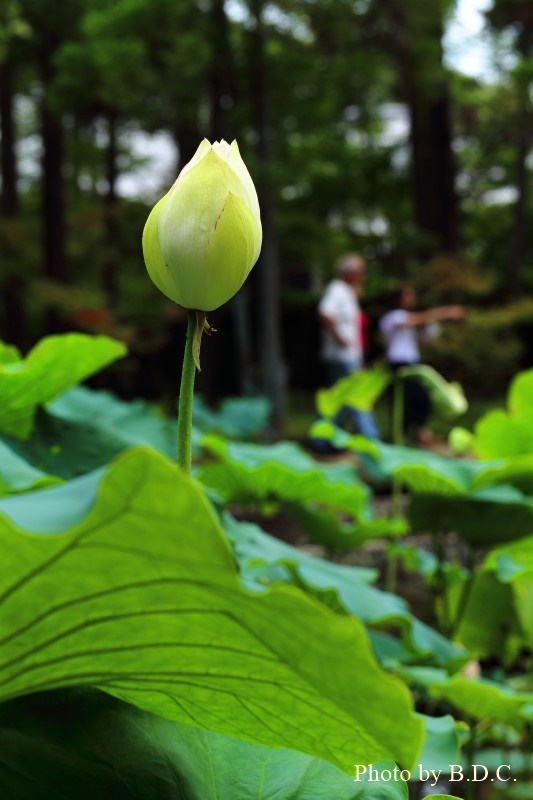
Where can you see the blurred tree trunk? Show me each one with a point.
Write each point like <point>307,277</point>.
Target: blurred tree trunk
<point>273,380</point>
<point>222,74</point>
<point>187,138</point>
<point>416,36</point>
<point>13,284</point>
<point>223,92</point>
<point>52,201</point>
<point>517,16</point>
<point>110,266</point>
<point>518,241</point>
<point>523,145</point>
<point>7,132</point>
<point>433,167</point>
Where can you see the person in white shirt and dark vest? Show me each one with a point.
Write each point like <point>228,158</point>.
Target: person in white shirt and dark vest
<point>340,318</point>
<point>401,329</point>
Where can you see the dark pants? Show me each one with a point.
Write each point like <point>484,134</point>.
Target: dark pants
<point>416,402</point>
<point>362,422</point>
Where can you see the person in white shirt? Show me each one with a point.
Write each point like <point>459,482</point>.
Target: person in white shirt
<point>340,319</point>
<point>400,328</point>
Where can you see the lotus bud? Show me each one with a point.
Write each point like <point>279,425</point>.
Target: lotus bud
<point>460,441</point>
<point>204,236</point>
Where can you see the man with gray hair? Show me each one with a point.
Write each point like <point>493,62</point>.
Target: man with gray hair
<point>340,318</point>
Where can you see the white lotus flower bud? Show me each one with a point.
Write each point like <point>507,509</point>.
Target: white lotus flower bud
<point>204,236</point>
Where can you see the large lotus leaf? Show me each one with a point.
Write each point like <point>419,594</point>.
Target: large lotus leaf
<point>54,365</point>
<point>9,354</point>
<point>345,589</point>
<point>441,745</point>
<point>488,624</point>
<point>359,390</point>
<point>512,561</point>
<point>478,698</point>
<point>85,429</point>
<point>491,516</point>
<point>139,595</point>
<point>516,470</point>
<point>330,530</point>
<point>445,491</point>
<point>520,399</point>
<point>281,472</point>
<point>447,398</point>
<point>65,448</point>
<point>17,475</point>
<point>86,744</point>
<point>513,565</point>
<point>485,700</point>
<point>130,423</point>
<point>236,417</point>
<point>425,472</point>
<point>499,433</point>
<point>420,470</point>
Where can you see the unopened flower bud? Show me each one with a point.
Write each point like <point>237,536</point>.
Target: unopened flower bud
<point>204,236</point>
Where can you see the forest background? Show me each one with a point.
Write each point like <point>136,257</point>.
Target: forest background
<point>359,135</point>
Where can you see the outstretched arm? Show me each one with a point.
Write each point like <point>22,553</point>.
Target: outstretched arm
<point>439,314</point>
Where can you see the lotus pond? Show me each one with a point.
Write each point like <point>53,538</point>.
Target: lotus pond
<point>157,641</point>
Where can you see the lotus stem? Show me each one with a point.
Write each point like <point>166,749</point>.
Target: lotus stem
<point>186,398</point>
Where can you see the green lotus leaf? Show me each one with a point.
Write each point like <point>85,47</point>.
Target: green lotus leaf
<point>17,475</point>
<point>86,744</point>
<point>508,433</point>
<point>359,390</point>
<point>84,429</point>
<point>9,354</point>
<point>441,745</point>
<point>458,495</point>
<point>317,495</point>
<point>488,625</point>
<point>54,365</point>
<point>343,588</point>
<point>512,564</point>
<point>488,517</point>
<point>139,595</point>
<point>447,398</point>
<point>485,700</point>
<point>236,417</point>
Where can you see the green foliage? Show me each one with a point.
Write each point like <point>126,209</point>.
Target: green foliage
<point>236,417</point>
<point>441,747</point>
<point>264,560</point>
<point>83,430</point>
<point>315,494</point>
<point>479,699</point>
<point>17,475</point>
<point>460,441</point>
<point>283,471</point>
<point>154,614</point>
<point>487,517</point>
<point>87,744</point>
<point>54,365</point>
<point>447,398</point>
<point>462,350</point>
<point>513,566</point>
<point>359,390</point>
<point>123,580</point>
<point>449,494</point>
<point>510,433</point>
<point>489,625</point>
